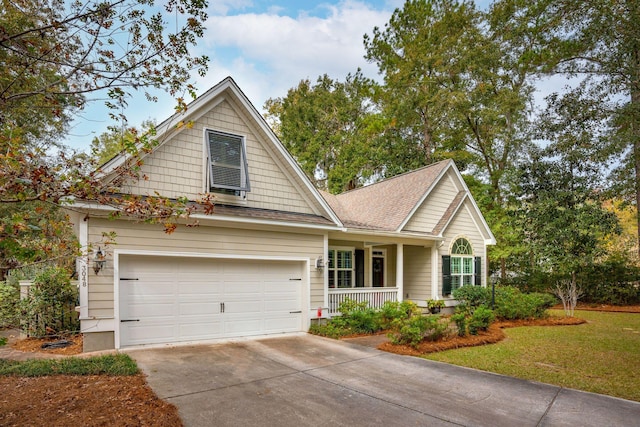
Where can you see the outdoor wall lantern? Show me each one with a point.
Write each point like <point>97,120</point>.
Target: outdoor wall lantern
<point>99,261</point>
<point>319,263</point>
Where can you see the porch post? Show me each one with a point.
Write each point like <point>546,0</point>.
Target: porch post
<point>435,271</point>
<point>400,270</point>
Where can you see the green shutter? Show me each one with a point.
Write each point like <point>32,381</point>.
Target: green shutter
<point>446,275</point>
<point>477,272</point>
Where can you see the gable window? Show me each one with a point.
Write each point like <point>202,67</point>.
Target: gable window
<point>341,268</point>
<point>460,268</point>
<point>227,163</point>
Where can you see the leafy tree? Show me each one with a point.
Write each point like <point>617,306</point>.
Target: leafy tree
<point>598,43</point>
<point>53,54</point>
<point>331,128</point>
<point>423,52</point>
<point>563,220</point>
<point>108,144</point>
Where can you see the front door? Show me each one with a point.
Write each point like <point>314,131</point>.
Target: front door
<point>377,265</point>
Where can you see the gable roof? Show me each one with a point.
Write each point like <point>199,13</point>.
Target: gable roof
<point>228,89</point>
<point>385,205</point>
<point>389,205</point>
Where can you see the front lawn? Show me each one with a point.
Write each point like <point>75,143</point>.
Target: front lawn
<point>601,356</point>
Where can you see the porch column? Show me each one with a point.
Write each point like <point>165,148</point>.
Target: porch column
<point>400,270</point>
<point>435,271</point>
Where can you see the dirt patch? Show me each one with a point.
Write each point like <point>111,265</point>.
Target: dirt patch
<point>94,400</point>
<point>493,335</point>
<point>35,345</point>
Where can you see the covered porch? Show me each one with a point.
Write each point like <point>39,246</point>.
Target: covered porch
<point>377,272</point>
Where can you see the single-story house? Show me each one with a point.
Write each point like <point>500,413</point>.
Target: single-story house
<point>276,253</point>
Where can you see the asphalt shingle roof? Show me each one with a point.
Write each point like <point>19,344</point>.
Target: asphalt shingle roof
<point>386,204</point>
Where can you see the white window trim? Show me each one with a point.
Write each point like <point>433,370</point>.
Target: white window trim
<point>244,169</point>
<point>385,280</point>
<point>333,271</point>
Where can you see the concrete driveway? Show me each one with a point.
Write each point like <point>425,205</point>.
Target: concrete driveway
<point>305,380</point>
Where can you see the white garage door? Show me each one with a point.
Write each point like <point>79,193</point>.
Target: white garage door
<point>173,299</point>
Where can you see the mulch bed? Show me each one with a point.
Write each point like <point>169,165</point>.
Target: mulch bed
<point>493,335</point>
<point>93,400</point>
<point>35,345</point>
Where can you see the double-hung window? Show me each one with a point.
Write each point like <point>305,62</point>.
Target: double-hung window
<point>341,268</point>
<point>227,163</point>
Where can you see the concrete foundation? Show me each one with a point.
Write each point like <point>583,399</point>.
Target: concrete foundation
<point>98,341</point>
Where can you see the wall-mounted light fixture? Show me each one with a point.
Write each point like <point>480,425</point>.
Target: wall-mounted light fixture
<point>319,263</point>
<point>99,261</point>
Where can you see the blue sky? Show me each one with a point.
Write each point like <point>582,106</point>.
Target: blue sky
<point>267,47</point>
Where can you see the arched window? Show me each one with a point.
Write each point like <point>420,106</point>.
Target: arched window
<point>460,268</point>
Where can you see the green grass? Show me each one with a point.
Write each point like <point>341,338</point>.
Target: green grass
<point>601,356</point>
<point>3,341</point>
<point>117,364</point>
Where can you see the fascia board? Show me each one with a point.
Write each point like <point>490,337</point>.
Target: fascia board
<point>91,206</point>
<point>391,234</point>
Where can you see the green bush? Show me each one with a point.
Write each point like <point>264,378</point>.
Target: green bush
<point>392,310</point>
<point>460,319</point>
<point>470,297</point>
<point>615,281</point>
<point>414,330</point>
<point>9,299</point>
<point>329,329</point>
<point>480,320</point>
<point>50,304</point>
<point>512,304</point>
<point>357,317</point>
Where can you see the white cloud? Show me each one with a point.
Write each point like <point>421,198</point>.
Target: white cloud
<point>268,53</point>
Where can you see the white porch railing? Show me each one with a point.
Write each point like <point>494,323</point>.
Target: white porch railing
<point>376,297</point>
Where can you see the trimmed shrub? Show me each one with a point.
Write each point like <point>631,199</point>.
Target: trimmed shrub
<point>392,310</point>
<point>357,317</point>
<point>414,330</point>
<point>460,320</point>
<point>480,320</point>
<point>470,297</point>
<point>511,304</point>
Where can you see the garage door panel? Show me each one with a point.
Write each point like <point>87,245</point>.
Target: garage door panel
<point>181,299</point>
<point>240,326</point>
<point>140,289</point>
<point>281,305</point>
<point>244,307</point>
<point>241,285</point>
<point>154,333</point>
<point>152,309</point>
<point>196,308</point>
<point>199,328</point>
<point>194,288</point>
